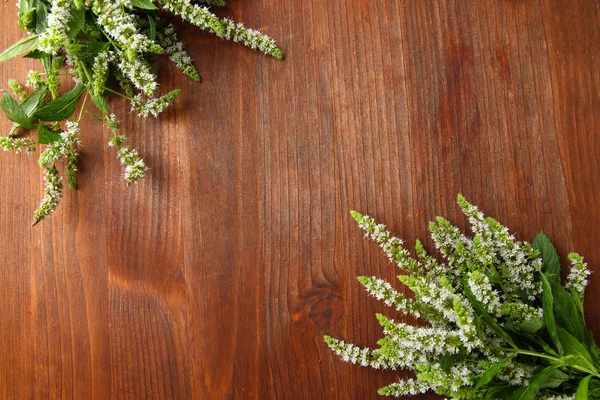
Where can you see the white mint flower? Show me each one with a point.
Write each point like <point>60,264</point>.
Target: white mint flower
<point>408,387</point>
<point>483,291</point>
<point>121,26</point>
<point>34,80</point>
<point>138,71</point>
<point>577,278</point>
<point>53,39</point>
<point>17,145</point>
<point>100,71</point>
<point>52,194</point>
<point>135,169</point>
<point>174,48</point>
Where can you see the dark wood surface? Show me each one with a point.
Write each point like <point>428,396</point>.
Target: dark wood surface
<point>217,276</point>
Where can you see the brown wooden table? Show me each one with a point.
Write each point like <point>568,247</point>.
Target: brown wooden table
<point>217,276</point>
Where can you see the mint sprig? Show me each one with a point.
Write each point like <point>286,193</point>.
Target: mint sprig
<point>108,48</point>
<point>499,323</point>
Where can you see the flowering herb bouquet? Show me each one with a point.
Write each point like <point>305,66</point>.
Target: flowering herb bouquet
<point>500,325</point>
<point>107,47</point>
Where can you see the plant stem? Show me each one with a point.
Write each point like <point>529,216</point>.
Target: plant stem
<point>553,359</point>
<point>83,106</point>
<point>117,93</point>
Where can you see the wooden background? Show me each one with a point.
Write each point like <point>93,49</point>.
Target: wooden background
<point>217,276</point>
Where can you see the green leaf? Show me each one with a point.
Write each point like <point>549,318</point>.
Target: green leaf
<point>34,101</point>
<point>46,135</point>
<point>41,17</point>
<point>76,22</point>
<point>493,371</point>
<point>449,360</point>
<point>551,263</point>
<point>36,54</point>
<point>95,116</point>
<point>26,14</point>
<point>14,111</point>
<point>62,107</point>
<point>90,49</point>
<point>23,46</point>
<point>144,4</point>
<point>31,104</point>
<point>101,103</point>
<point>531,326</point>
<point>548,306</point>
<point>574,347</point>
<point>582,390</point>
<point>566,311</point>
<point>499,392</point>
<point>535,384</point>
<point>152,27</point>
<point>556,379</point>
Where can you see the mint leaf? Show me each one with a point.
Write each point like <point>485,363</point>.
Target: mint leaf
<point>144,4</point>
<point>566,311</point>
<point>556,379</point>
<point>36,99</point>
<point>41,17</point>
<point>152,27</point>
<point>90,49</point>
<point>551,263</point>
<point>101,103</point>
<point>582,390</point>
<point>531,326</point>
<point>76,22</point>
<point>548,306</point>
<point>31,104</point>
<point>62,107</point>
<point>14,111</point>
<point>23,46</point>
<point>574,347</point>
<point>530,392</point>
<point>46,135</point>
<point>493,371</point>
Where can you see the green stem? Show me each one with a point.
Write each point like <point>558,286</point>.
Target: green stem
<point>553,359</point>
<point>117,93</point>
<point>83,106</point>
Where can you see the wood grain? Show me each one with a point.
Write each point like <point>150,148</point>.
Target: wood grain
<point>217,276</point>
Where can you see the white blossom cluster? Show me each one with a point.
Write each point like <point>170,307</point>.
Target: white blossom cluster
<point>64,149</point>
<point>383,290</point>
<point>139,72</point>
<point>52,194</point>
<point>34,80</point>
<point>391,245</point>
<point>135,168</point>
<point>100,71</point>
<point>250,38</point>
<point>484,292</point>
<point>491,271</point>
<point>408,387</point>
<point>577,278</point>
<point>153,106</point>
<point>53,39</point>
<point>177,53</point>
<point>361,356</point>
<point>121,26</point>
<point>496,247</point>
<point>17,145</point>
<point>201,17</point>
